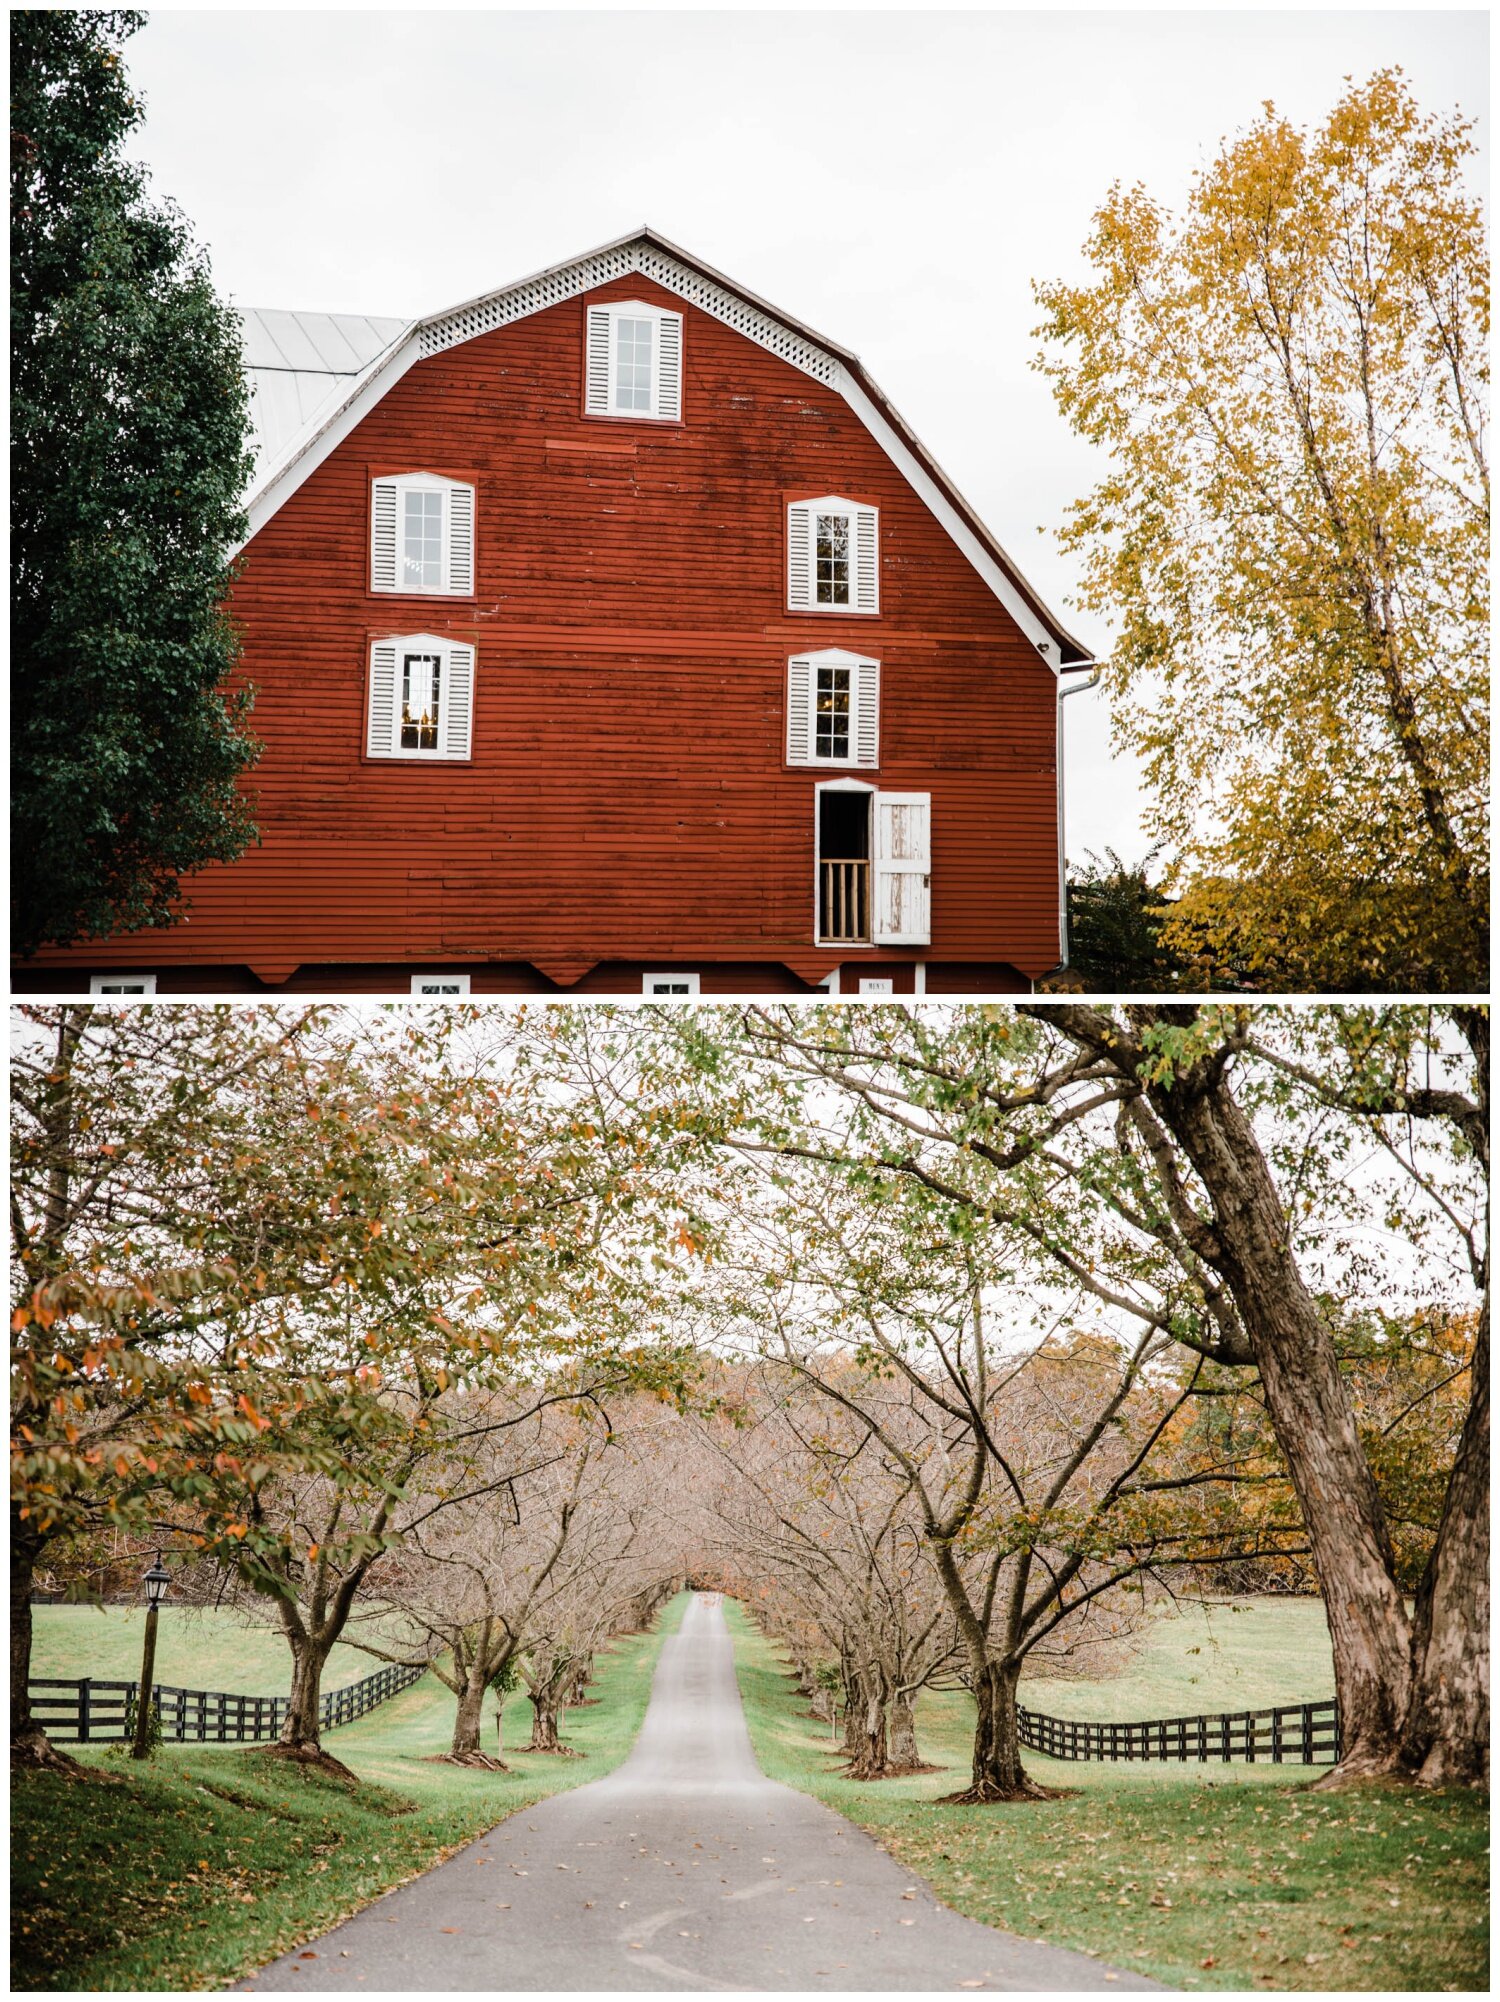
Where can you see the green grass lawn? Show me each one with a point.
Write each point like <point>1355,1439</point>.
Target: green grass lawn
<point>194,1870</point>
<point>1205,1877</point>
<point>195,1649</point>
<point>1241,1654</point>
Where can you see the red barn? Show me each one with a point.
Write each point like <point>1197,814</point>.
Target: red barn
<point>613,634</point>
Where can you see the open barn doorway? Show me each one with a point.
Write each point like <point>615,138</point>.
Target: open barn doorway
<point>844,843</point>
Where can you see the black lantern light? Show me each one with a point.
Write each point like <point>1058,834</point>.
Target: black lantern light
<point>156,1581</point>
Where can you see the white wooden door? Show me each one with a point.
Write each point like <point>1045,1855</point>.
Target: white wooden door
<point>903,868</point>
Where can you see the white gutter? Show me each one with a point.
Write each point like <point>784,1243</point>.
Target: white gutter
<point>1078,688</point>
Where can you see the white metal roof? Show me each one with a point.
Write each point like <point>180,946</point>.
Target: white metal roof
<point>300,367</point>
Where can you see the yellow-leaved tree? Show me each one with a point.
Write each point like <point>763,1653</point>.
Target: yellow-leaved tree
<point>1290,380</point>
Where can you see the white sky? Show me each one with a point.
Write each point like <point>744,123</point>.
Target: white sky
<point>893,179</point>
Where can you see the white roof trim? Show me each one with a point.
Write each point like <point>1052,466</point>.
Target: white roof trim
<point>644,253</point>
<point>1041,637</point>
<point>304,455</point>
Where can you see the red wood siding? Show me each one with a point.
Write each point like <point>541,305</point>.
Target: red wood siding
<point>627,800</point>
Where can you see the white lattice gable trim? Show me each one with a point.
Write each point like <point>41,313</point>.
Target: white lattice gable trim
<point>624,260</point>
<point>653,258</point>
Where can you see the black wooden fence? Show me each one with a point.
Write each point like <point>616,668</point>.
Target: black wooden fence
<point>1298,1734</point>
<point>89,1711</point>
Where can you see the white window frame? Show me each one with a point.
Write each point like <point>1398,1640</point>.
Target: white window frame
<point>104,986</point>
<point>401,485</point>
<point>449,651</point>
<point>459,982</point>
<point>802,557</point>
<point>688,980</point>
<point>864,710</point>
<point>601,340</point>
<point>841,785</point>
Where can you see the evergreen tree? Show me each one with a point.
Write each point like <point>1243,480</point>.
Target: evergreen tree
<point>129,416</point>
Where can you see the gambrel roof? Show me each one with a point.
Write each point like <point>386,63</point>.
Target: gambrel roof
<point>315,375</point>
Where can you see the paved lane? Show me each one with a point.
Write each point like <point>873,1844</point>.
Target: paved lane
<point>685,1869</point>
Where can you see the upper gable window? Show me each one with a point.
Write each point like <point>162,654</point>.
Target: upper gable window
<point>422,536</point>
<point>832,556</point>
<point>634,362</point>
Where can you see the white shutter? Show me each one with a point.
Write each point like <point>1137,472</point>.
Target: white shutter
<point>799,559</point>
<point>383,523</point>
<point>458,723</point>
<point>866,731</point>
<point>864,528</point>
<point>380,741</point>
<point>903,868</point>
<point>596,365</point>
<point>460,505</point>
<point>799,711</point>
<point>669,366</point>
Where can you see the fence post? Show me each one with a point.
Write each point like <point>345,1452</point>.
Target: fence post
<point>83,1710</point>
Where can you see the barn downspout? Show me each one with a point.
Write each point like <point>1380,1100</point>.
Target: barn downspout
<point>1078,688</point>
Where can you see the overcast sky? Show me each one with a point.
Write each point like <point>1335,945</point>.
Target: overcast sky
<point>895,180</point>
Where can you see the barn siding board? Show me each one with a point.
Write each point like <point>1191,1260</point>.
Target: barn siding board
<point>628,790</point>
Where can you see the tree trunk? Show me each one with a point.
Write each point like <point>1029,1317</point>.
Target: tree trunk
<point>29,1743</point>
<point>867,1713</point>
<point>853,1714</point>
<point>301,1728</point>
<point>468,1723</point>
<point>544,1736</point>
<point>1313,1417</point>
<point>904,1756</point>
<point>1446,1737</point>
<point>997,1770</point>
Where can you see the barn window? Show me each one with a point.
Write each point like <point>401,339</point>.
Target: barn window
<point>833,709</point>
<point>832,556</point>
<point>422,536</point>
<point>122,986</point>
<point>421,699</point>
<point>832,552</point>
<point>670,986</point>
<point>633,364</point>
<point>633,370</point>
<point>441,986</point>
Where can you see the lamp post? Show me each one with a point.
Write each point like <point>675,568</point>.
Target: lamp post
<point>156,1581</point>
